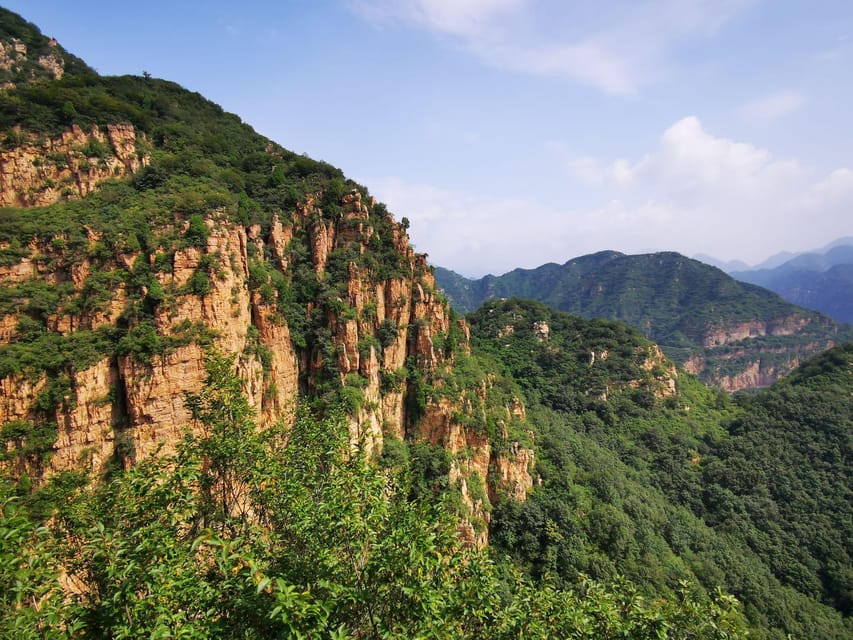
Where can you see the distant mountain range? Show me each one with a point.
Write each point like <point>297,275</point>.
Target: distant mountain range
<point>733,335</point>
<point>776,260</point>
<point>821,280</point>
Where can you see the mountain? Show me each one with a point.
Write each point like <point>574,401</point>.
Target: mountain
<point>773,261</point>
<point>643,470</point>
<point>234,405</point>
<point>145,228</point>
<point>776,259</point>
<point>732,335</point>
<point>725,265</point>
<point>822,280</point>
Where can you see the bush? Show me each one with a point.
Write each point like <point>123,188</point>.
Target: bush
<point>197,232</point>
<point>387,333</point>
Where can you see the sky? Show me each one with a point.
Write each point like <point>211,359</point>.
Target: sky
<point>512,133</point>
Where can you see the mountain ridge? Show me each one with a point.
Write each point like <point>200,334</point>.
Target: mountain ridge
<point>771,262</point>
<point>731,334</point>
<point>819,280</point>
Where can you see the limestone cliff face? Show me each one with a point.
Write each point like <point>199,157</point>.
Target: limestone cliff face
<point>757,374</point>
<point>736,358</point>
<point>364,325</point>
<point>479,472</point>
<point>727,334</point>
<point>41,172</point>
<point>109,307</point>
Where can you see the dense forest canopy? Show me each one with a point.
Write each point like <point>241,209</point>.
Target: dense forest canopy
<point>751,495</point>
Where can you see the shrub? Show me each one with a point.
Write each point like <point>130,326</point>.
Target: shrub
<point>197,232</point>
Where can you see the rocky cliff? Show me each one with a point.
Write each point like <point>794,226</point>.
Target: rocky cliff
<point>303,303</point>
<point>43,171</point>
<point>143,227</point>
<point>21,62</point>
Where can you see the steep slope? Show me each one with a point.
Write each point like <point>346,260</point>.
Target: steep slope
<point>731,335</point>
<point>822,281</point>
<point>281,533</point>
<point>27,55</point>
<point>146,227</point>
<point>782,480</point>
<point>643,471</point>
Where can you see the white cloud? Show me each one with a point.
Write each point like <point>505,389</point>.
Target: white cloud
<point>695,193</point>
<point>589,170</point>
<point>472,234</point>
<point>837,187</point>
<point>465,18</point>
<point>593,172</point>
<point>724,197</point>
<point>616,47</point>
<point>770,108</point>
<point>691,163</point>
<point>587,62</point>
<point>478,234</point>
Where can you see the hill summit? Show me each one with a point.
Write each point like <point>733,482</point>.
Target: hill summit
<point>732,335</point>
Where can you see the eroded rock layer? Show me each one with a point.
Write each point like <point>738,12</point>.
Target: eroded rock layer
<point>303,304</point>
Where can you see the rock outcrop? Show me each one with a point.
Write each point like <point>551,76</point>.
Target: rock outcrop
<point>40,172</point>
<point>46,62</point>
<point>722,335</point>
<point>366,329</point>
<point>754,354</point>
<point>662,370</point>
<point>481,474</point>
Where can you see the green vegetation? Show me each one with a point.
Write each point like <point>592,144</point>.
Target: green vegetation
<point>30,440</point>
<point>24,67</point>
<point>781,481</point>
<point>674,301</point>
<point>249,534</point>
<point>752,496</point>
<point>204,167</point>
<point>648,505</point>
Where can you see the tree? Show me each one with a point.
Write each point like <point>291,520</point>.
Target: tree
<point>285,532</point>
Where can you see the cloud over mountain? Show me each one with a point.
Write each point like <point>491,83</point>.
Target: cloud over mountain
<point>696,192</point>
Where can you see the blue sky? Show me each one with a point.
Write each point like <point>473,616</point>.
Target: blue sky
<point>518,132</point>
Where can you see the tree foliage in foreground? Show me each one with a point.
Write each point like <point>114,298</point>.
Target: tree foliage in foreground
<point>284,533</point>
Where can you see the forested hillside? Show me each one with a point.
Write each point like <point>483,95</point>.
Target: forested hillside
<point>732,335</point>
<point>274,533</point>
<point>677,482</point>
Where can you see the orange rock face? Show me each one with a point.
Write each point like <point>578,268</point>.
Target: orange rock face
<point>41,172</point>
<point>369,328</point>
